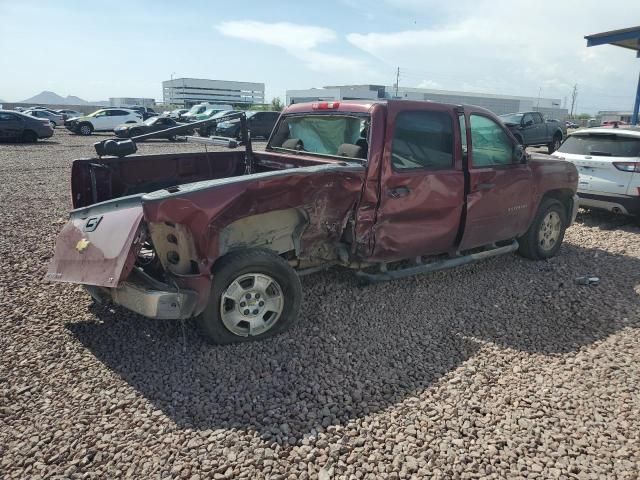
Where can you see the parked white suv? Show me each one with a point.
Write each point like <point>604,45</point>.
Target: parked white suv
<point>608,161</point>
<point>103,120</point>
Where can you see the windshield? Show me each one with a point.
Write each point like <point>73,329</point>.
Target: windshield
<point>95,113</point>
<point>151,121</point>
<point>323,134</point>
<point>607,145</point>
<point>250,113</point>
<point>511,118</point>
<point>197,109</point>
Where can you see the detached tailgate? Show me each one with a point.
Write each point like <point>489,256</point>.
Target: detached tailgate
<point>94,247</point>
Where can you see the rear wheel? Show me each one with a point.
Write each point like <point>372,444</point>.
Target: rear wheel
<point>545,235</point>
<point>85,129</point>
<point>29,136</point>
<point>53,124</point>
<point>255,294</point>
<point>555,144</point>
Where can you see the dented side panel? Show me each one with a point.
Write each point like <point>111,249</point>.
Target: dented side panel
<point>305,208</point>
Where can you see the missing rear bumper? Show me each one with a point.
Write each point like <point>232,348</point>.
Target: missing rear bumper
<point>147,300</point>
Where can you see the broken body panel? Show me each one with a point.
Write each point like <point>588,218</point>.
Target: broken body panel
<point>314,210</point>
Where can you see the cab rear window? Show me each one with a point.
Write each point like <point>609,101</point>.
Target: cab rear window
<point>601,145</point>
<point>335,135</point>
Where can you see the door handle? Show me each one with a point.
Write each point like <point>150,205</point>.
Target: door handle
<point>485,186</point>
<point>399,192</point>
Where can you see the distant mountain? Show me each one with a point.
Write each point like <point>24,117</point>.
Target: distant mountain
<point>52,98</point>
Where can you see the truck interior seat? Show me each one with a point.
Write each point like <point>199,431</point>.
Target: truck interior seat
<point>350,150</point>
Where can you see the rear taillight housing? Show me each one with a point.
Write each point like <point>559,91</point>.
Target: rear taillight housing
<point>627,166</point>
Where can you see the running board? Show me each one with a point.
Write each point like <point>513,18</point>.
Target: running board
<point>436,266</point>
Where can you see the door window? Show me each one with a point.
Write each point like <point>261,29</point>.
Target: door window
<point>537,118</point>
<point>489,143</point>
<point>6,117</point>
<point>527,119</point>
<point>422,140</point>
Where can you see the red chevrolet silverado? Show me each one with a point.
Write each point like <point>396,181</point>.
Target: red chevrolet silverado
<point>388,189</point>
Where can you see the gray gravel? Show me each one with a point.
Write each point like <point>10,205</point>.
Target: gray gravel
<point>501,369</point>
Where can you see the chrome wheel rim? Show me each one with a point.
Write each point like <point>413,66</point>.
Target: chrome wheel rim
<point>556,145</point>
<point>251,305</point>
<point>549,231</point>
<point>85,130</point>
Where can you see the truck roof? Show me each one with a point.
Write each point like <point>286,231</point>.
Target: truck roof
<point>363,106</point>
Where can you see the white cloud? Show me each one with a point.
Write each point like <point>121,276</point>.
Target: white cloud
<point>501,46</point>
<point>301,41</point>
<point>285,35</point>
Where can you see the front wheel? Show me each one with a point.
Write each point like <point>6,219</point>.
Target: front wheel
<point>85,129</point>
<point>545,235</point>
<point>255,294</point>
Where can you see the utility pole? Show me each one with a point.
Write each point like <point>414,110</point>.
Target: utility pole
<point>397,80</point>
<point>538,104</point>
<point>574,96</point>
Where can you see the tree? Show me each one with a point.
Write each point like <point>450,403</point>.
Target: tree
<point>276,104</point>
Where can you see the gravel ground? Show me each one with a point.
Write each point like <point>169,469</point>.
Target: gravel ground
<point>505,368</point>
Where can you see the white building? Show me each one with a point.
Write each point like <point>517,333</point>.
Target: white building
<point>189,91</point>
<point>614,116</point>
<point>498,104</point>
<point>131,102</point>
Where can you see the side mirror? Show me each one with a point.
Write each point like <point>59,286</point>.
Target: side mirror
<point>519,154</point>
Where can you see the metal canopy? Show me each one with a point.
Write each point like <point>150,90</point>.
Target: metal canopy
<point>626,38</point>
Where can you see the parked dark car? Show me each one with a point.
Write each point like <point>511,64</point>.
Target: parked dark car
<point>259,123</point>
<point>17,126</point>
<point>152,124</point>
<point>208,130</point>
<point>531,129</point>
<point>146,112</point>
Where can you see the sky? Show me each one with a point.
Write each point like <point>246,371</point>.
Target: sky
<point>101,49</point>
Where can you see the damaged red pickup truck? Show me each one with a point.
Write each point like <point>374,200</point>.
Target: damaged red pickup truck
<point>388,189</point>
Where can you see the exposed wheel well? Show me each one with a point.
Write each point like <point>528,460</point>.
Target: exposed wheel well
<point>564,196</point>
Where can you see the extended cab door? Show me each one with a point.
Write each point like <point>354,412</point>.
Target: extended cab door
<point>421,184</point>
<point>500,185</point>
<point>541,127</point>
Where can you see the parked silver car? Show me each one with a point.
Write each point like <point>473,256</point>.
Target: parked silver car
<point>54,118</point>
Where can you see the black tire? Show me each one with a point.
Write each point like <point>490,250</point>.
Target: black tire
<point>555,144</point>
<point>244,263</point>
<point>29,136</point>
<point>531,245</point>
<point>85,129</point>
